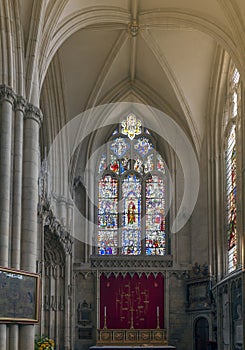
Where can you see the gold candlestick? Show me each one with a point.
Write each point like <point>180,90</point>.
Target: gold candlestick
<point>158,326</point>
<point>132,319</point>
<point>105,326</point>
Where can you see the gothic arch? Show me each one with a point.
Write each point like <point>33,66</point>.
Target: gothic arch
<point>54,288</point>
<point>201,330</point>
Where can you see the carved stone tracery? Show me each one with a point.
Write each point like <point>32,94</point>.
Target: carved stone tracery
<point>127,262</point>
<point>58,229</point>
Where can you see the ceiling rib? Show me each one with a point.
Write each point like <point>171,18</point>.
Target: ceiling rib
<point>152,44</point>
<point>113,54</point>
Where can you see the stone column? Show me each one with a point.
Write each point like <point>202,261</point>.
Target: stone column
<point>32,120</point>
<point>6,100</point>
<point>16,207</point>
<point>6,110</point>
<point>17,182</point>
<point>67,301</point>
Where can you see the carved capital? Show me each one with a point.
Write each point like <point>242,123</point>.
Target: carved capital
<point>7,94</point>
<point>20,104</point>
<point>34,113</point>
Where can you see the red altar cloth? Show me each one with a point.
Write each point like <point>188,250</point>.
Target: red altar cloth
<point>132,301</point>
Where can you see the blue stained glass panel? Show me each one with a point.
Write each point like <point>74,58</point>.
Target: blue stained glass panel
<point>155,243</point>
<point>155,187</point>
<point>131,242</point>
<point>143,146</point>
<point>120,146</point>
<point>131,184</point>
<point>107,242</point>
<point>108,187</point>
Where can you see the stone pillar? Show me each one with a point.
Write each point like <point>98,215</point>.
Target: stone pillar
<point>17,182</point>
<point>6,110</point>
<point>32,120</point>
<point>68,311</point>
<point>6,100</point>
<point>17,199</point>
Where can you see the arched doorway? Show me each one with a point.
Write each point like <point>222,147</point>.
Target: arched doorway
<point>201,333</point>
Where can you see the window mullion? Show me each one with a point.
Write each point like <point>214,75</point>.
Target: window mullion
<point>120,219</point>
<point>143,217</point>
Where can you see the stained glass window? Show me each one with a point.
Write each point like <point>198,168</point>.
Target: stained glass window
<point>131,199</point>
<point>108,215</point>
<point>131,222</point>
<point>155,216</point>
<point>231,179</point>
<point>231,200</point>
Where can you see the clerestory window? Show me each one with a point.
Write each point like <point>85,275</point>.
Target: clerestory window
<point>231,174</point>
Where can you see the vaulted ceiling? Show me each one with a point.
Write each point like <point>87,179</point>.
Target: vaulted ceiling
<point>162,52</point>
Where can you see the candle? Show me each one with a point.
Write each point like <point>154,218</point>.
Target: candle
<point>157,311</point>
<point>105,311</point>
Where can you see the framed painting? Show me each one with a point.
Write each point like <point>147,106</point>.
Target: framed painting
<point>19,296</point>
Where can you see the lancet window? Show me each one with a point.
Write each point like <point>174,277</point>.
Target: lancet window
<point>231,174</point>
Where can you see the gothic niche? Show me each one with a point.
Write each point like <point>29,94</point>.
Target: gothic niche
<point>84,320</point>
<point>54,288</point>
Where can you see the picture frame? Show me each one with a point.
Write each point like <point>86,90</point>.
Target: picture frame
<point>19,296</point>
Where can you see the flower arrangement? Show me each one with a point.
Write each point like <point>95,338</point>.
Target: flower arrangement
<point>44,343</point>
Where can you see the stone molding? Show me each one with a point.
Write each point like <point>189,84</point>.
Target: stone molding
<point>114,263</point>
<point>85,272</point>
<point>85,275</point>
<point>179,274</point>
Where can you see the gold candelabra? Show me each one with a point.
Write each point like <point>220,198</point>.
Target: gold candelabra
<point>132,319</point>
<point>105,325</point>
<point>158,325</point>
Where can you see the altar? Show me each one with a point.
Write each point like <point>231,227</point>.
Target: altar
<point>131,313</point>
<point>113,339</point>
<point>127,337</point>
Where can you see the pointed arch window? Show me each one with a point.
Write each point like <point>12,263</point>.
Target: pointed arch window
<point>231,175</point>
<point>131,193</point>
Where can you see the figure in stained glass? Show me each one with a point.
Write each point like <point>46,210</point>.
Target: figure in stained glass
<point>124,165</point>
<point>138,166</point>
<point>131,213</point>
